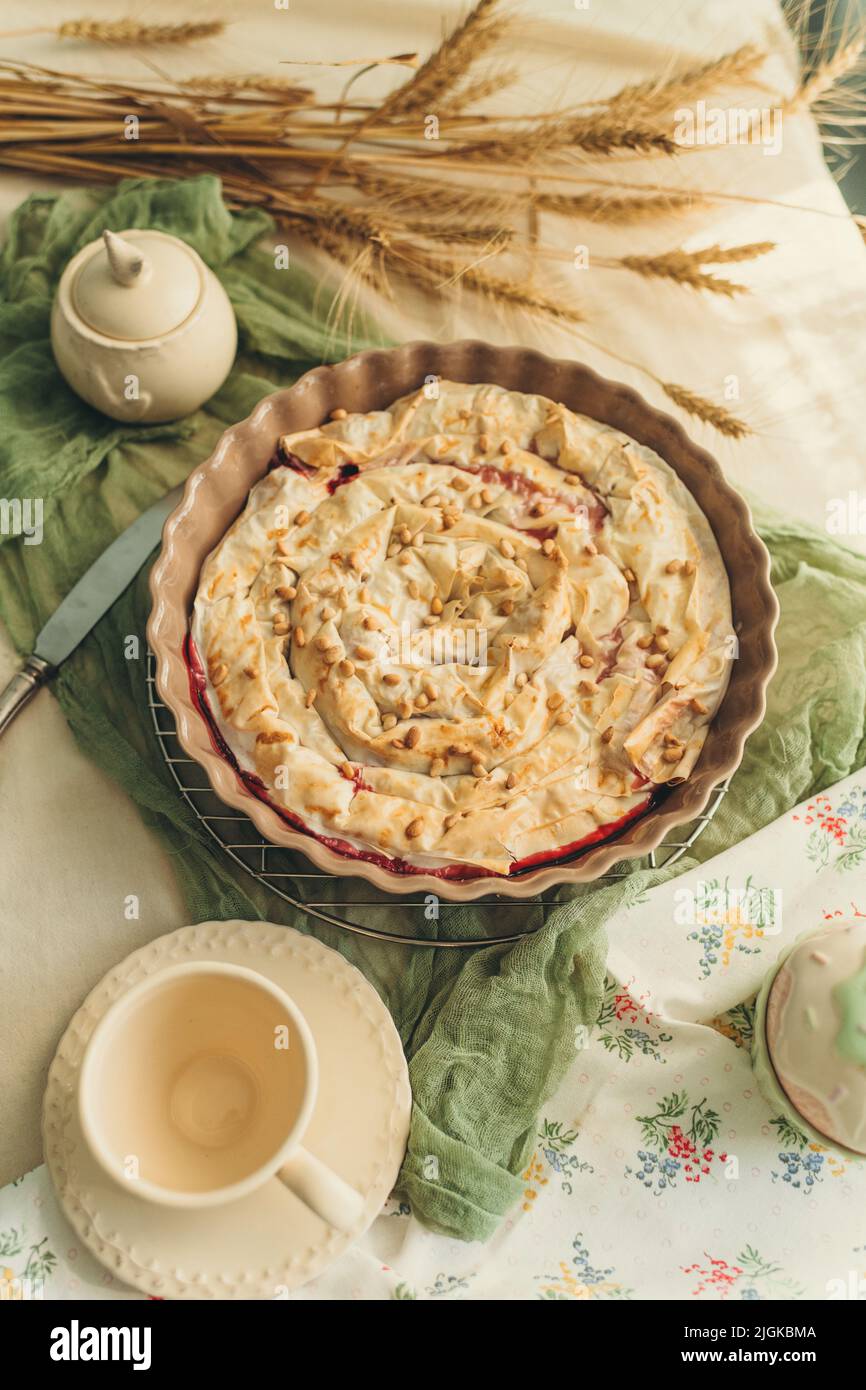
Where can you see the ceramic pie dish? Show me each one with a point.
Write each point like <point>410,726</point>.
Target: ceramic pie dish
<point>462,619</point>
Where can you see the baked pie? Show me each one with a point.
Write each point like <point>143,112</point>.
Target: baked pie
<point>467,635</point>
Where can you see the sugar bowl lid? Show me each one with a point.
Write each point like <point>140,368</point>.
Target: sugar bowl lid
<point>137,285</point>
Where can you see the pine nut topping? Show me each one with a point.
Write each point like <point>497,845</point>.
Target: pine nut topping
<point>673,755</point>
<point>608,734</point>
<point>507,549</point>
<point>698,706</point>
<point>347,668</point>
<point>413,737</point>
<point>391,678</point>
<point>586,660</point>
<point>286,592</point>
<point>300,637</point>
<point>414,829</point>
<point>555,700</point>
<point>339,413</point>
<point>219,673</point>
<point>364,653</point>
<point>672,567</point>
<point>389,721</point>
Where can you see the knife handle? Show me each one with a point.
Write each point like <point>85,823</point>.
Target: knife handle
<point>22,687</point>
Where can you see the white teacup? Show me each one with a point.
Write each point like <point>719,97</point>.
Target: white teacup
<point>198,1085</point>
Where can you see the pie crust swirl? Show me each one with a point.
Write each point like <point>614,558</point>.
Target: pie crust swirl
<point>465,634</point>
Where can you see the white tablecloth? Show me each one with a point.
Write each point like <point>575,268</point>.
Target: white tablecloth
<point>73,848</point>
<point>659,1171</point>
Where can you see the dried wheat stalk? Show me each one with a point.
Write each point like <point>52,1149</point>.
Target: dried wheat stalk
<point>706,410</point>
<point>448,64</point>
<point>689,267</point>
<point>658,97</point>
<point>620,209</point>
<point>125,31</point>
<point>359,182</point>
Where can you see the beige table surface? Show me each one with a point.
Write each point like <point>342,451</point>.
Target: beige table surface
<point>71,846</point>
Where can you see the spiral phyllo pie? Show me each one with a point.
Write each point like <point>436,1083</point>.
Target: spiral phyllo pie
<point>464,635</point>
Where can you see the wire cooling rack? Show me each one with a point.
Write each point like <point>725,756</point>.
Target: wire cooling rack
<point>292,877</point>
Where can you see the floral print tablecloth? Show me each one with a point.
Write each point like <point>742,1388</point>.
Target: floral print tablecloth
<point>659,1170</point>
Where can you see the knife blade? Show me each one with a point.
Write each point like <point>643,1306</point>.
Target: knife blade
<point>85,604</point>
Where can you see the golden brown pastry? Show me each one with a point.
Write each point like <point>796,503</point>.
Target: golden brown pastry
<point>465,633</point>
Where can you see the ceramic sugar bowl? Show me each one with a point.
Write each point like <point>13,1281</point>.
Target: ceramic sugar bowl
<point>141,328</point>
<point>809,1045</point>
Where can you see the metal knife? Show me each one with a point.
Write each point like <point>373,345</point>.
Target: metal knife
<point>85,604</point>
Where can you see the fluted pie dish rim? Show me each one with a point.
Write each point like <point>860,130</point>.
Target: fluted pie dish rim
<point>216,492</point>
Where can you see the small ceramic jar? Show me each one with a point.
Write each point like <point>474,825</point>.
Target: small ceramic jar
<point>141,328</point>
<point>809,1043</point>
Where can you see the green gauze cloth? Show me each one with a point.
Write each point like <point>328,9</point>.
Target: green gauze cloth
<point>490,1032</point>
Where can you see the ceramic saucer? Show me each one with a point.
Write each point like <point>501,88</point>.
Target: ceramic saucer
<point>267,1243</point>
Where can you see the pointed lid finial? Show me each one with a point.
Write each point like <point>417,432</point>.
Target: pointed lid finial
<point>128,263</point>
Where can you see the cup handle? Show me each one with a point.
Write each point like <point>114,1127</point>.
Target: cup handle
<point>322,1190</point>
